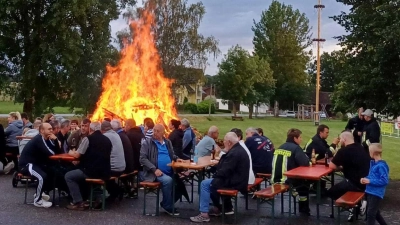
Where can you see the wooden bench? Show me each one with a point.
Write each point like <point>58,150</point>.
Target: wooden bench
<point>231,194</point>
<point>234,118</point>
<point>349,200</point>
<point>98,184</point>
<point>252,188</point>
<point>268,194</point>
<point>151,187</point>
<point>265,177</point>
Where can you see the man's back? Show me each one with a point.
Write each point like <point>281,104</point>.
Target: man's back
<point>128,151</point>
<point>262,150</point>
<point>233,169</point>
<point>135,135</point>
<point>117,152</point>
<point>355,162</point>
<point>287,157</point>
<point>205,146</point>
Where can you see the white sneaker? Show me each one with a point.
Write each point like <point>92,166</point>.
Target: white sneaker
<point>363,208</point>
<point>8,167</point>
<point>44,197</point>
<point>43,204</point>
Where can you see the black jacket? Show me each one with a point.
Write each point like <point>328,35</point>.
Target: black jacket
<point>96,162</point>
<point>372,132</point>
<point>135,135</point>
<point>262,152</point>
<point>176,137</point>
<point>357,125</point>
<point>233,170</point>
<point>320,146</point>
<point>128,151</point>
<point>2,139</point>
<point>63,139</point>
<point>37,151</point>
<point>287,157</point>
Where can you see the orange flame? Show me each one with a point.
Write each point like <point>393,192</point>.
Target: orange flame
<point>136,88</point>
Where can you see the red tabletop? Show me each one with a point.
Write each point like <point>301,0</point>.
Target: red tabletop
<point>64,157</point>
<point>308,172</point>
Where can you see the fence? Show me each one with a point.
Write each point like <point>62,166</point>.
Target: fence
<point>390,129</point>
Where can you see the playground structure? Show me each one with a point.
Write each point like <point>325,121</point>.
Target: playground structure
<point>307,112</point>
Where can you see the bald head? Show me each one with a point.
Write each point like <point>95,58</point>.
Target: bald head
<point>346,138</point>
<point>230,140</point>
<point>213,132</point>
<point>158,132</point>
<point>129,124</point>
<point>46,130</point>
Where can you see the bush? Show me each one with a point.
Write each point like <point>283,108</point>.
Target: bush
<point>339,115</point>
<point>345,118</point>
<point>191,107</point>
<point>223,110</point>
<point>203,107</point>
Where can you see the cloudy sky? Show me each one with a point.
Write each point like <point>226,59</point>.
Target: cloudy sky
<point>230,22</point>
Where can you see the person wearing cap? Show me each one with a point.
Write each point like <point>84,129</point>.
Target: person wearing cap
<point>117,160</point>
<point>372,130</point>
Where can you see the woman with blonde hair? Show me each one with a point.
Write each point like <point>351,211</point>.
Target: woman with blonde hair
<point>14,129</point>
<point>48,117</point>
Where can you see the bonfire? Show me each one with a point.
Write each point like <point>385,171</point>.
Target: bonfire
<point>136,87</point>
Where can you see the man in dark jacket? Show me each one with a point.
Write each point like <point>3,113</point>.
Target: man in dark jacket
<point>372,130</point>
<point>357,125</point>
<point>94,154</point>
<point>232,173</point>
<point>136,136</point>
<point>261,150</point>
<point>155,155</point>
<point>290,156</point>
<point>34,158</point>
<point>319,145</point>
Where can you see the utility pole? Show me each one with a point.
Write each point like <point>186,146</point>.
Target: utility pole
<point>319,7</point>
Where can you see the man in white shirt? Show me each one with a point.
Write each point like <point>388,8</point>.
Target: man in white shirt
<point>239,133</point>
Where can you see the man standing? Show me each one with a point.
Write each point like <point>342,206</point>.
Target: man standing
<point>63,134</point>
<point>287,157</point>
<point>155,155</point>
<point>261,149</point>
<point>25,121</point>
<point>232,173</point>
<point>357,125</point>
<point>75,139</point>
<point>35,155</point>
<point>354,162</point>
<point>189,139</point>
<point>372,130</point>
<point>94,162</point>
<point>117,160</point>
<point>319,145</point>
<point>135,135</point>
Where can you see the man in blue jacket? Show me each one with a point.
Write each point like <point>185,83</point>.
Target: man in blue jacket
<point>261,150</point>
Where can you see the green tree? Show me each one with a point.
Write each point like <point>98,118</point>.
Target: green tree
<point>179,43</point>
<point>263,85</point>
<point>235,77</point>
<point>332,67</point>
<point>372,47</point>
<point>282,37</point>
<point>57,47</point>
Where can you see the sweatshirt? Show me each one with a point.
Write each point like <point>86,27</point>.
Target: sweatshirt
<point>378,177</point>
<point>13,130</point>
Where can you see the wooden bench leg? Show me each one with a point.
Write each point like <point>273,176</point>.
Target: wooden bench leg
<point>103,198</point>
<point>338,216</point>
<point>273,210</point>
<point>282,207</point>
<point>223,209</point>
<point>157,202</point>
<point>247,200</point>
<point>91,197</point>
<point>235,211</point>
<point>144,200</point>
<point>26,190</point>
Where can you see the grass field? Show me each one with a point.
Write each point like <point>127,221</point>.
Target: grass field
<point>7,107</point>
<point>276,129</point>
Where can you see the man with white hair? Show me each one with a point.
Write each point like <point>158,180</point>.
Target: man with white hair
<point>189,139</point>
<point>232,173</point>
<point>126,143</point>
<point>207,145</point>
<point>354,163</point>
<point>261,150</point>
<point>94,162</point>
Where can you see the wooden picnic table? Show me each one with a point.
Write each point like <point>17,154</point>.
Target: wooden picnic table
<point>314,173</point>
<point>23,137</point>
<point>63,157</point>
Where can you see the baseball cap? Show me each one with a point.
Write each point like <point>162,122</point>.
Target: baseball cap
<point>367,112</point>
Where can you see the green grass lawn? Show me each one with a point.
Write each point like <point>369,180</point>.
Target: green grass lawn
<point>276,129</point>
<point>7,107</point>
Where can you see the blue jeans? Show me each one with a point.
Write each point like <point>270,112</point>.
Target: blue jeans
<point>166,188</point>
<point>205,194</point>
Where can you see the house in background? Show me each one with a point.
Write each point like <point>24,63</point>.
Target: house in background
<point>188,84</point>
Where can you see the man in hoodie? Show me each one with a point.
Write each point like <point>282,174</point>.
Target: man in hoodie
<point>25,120</point>
<point>287,157</point>
<point>372,130</point>
<point>14,129</point>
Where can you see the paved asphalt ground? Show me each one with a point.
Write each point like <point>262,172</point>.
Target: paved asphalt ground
<point>129,211</point>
